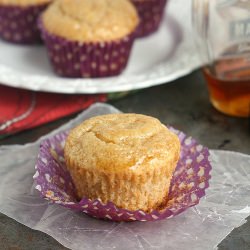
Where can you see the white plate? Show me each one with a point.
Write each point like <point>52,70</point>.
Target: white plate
<point>160,58</point>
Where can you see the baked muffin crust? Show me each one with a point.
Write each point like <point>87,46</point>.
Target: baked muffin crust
<point>124,158</point>
<point>123,142</point>
<point>91,20</point>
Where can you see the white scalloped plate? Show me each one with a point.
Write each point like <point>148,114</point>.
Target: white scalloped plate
<point>160,58</point>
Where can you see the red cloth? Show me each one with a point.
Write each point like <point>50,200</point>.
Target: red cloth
<point>23,109</point>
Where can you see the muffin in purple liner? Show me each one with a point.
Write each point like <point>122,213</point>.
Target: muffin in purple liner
<point>127,159</point>
<point>188,185</point>
<point>151,13</point>
<point>18,20</point>
<point>89,38</point>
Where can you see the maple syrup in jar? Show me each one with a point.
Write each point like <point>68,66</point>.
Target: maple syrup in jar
<point>228,81</point>
<point>223,37</point>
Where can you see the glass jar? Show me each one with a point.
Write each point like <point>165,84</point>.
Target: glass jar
<point>222,34</point>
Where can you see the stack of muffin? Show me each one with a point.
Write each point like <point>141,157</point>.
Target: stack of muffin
<point>84,38</point>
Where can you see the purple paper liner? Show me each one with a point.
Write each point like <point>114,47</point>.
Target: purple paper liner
<point>188,184</point>
<point>87,59</point>
<point>18,24</point>
<point>151,13</point>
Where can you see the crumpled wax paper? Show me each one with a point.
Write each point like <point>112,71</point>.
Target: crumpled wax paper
<point>225,206</point>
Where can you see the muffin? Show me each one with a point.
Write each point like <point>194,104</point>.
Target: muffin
<point>151,13</point>
<point>127,159</point>
<point>18,20</point>
<point>89,38</point>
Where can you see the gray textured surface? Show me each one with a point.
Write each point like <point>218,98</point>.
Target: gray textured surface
<point>183,104</point>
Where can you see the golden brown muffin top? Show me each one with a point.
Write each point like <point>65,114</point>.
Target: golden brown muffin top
<point>91,20</point>
<point>120,142</point>
<point>23,2</point>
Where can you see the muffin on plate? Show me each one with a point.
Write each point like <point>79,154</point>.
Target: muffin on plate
<point>127,159</point>
<point>151,13</point>
<point>89,38</point>
<point>18,20</point>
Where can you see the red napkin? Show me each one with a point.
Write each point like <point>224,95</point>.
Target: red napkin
<point>23,109</point>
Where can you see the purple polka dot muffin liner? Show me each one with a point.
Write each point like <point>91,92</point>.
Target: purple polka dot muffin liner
<point>87,59</point>
<point>188,185</point>
<point>151,13</point>
<point>19,24</point>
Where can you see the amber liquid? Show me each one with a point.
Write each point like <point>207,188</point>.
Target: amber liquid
<point>229,85</point>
